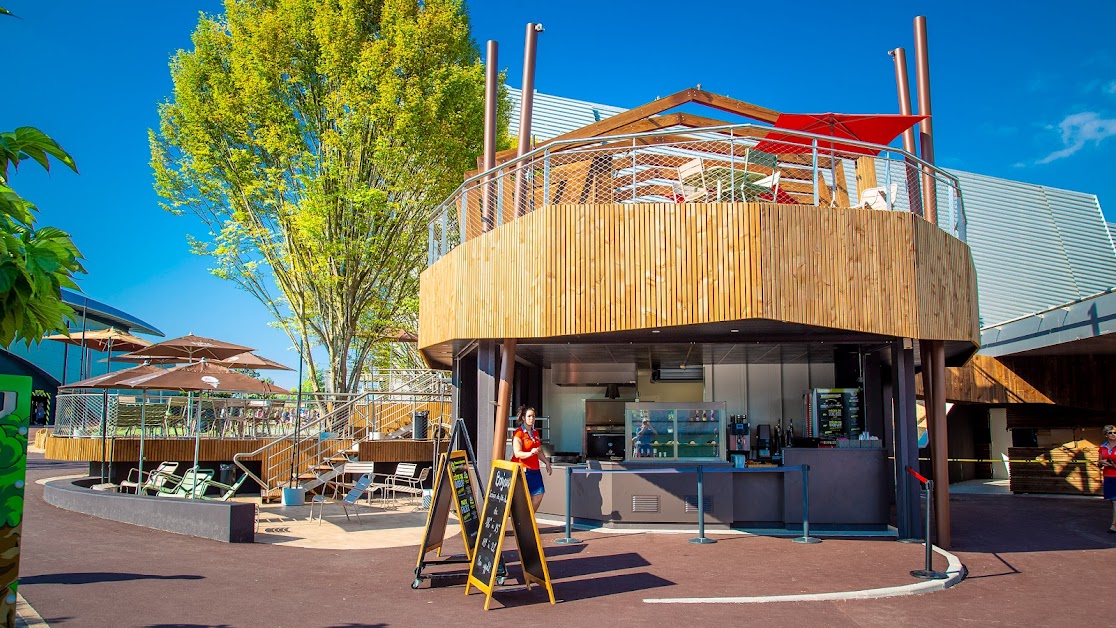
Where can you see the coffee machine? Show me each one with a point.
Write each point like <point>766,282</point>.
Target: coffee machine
<point>738,440</point>
<point>763,442</point>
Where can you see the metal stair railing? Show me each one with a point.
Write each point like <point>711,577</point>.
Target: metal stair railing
<point>293,457</point>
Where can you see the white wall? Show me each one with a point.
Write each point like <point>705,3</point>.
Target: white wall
<point>765,392</point>
<point>1001,440</point>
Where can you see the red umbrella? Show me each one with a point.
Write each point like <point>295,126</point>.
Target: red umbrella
<point>873,128</point>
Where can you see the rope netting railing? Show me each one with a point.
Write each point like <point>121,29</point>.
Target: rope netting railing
<point>722,164</point>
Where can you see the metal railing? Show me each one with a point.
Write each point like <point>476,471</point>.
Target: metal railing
<point>731,163</point>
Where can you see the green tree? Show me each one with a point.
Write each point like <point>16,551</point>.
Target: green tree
<point>35,263</point>
<point>314,139</point>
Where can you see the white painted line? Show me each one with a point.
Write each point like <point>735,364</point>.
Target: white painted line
<point>955,571</point>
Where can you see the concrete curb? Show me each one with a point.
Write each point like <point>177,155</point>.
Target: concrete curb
<point>956,573</point>
<point>27,616</point>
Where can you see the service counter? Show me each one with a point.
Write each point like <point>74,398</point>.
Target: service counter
<point>848,490</point>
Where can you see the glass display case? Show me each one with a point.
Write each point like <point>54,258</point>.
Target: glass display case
<point>675,431</point>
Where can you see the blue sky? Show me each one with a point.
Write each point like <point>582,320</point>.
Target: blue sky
<point>1021,93</point>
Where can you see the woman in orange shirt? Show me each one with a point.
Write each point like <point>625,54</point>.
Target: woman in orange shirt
<point>1107,463</point>
<point>527,450</point>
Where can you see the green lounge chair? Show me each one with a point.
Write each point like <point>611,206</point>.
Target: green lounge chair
<point>188,485</point>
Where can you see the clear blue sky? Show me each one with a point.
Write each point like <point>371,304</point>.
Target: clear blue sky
<point>1018,92</point>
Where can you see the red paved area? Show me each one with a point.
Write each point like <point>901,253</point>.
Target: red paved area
<point>1033,561</point>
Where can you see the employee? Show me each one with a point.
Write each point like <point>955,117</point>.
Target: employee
<point>527,450</point>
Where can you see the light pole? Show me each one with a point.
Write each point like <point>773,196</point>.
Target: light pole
<point>298,411</point>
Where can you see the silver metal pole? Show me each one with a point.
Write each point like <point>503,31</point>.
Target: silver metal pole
<point>814,144</point>
<point>701,538</point>
<point>568,540</point>
<point>806,538</point>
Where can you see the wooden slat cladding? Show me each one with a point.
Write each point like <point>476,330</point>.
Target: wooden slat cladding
<point>398,450</point>
<point>1061,470</point>
<point>584,269</point>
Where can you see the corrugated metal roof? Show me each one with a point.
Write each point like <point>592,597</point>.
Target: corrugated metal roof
<point>1034,247</point>
<point>552,116</point>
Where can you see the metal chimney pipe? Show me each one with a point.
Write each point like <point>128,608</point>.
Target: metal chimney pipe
<point>902,84</point>
<point>527,101</point>
<point>926,127</point>
<point>491,80</point>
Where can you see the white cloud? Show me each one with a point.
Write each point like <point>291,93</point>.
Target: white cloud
<point>1079,129</point>
<point>1110,88</point>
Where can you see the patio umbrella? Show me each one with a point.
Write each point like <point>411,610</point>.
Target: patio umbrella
<point>106,382</point>
<point>251,361</point>
<point>241,361</point>
<point>202,376</point>
<point>103,340</point>
<point>874,128</point>
<point>191,347</point>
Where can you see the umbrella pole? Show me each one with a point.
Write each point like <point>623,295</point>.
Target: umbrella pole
<point>104,433</point>
<point>197,438</point>
<point>143,428</point>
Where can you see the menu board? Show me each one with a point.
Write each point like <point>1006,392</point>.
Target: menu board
<point>837,413</point>
<point>452,485</point>
<point>507,493</point>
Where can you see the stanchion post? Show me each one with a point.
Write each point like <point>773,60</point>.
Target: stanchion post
<point>568,540</point>
<point>928,573</point>
<point>806,538</point>
<point>701,538</point>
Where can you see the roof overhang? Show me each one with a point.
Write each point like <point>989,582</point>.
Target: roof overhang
<point>1086,326</point>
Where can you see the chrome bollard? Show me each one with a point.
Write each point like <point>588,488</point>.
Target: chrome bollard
<point>701,538</point>
<point>806,538</point>
<point>568,540</point>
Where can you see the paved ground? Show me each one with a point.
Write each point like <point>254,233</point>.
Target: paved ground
<point>1032,561</point>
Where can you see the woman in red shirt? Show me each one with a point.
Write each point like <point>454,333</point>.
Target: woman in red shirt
<point>527,450</point>
<point>1108,466</point>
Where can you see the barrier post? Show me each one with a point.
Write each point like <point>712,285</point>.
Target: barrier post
<point>568,540</point>
<point>806,538</point>
<point>701,538</point>
<point>928,573</point>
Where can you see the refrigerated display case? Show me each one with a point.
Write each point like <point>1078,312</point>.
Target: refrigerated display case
<point>674,431</point>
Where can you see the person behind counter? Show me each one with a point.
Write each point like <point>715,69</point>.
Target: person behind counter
<point>527,450</point>
<point>642,439</point>
<point>1107,463</point>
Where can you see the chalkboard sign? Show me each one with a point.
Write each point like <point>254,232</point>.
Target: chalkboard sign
<point>507,493</point>
<point>452,486</point>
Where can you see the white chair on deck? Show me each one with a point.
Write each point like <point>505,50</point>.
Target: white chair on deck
<point>878,198</point>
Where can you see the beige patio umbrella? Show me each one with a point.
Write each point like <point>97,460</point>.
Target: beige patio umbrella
<point>203,376</point>
<point>103,340</point>
<point>192,348</point>
<point>242,361</point>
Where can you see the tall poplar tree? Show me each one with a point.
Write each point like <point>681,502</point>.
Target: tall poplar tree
<point>314,138</point>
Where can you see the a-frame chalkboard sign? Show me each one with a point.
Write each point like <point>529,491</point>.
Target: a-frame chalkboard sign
<point>507,495</point>
<point>452,486</point>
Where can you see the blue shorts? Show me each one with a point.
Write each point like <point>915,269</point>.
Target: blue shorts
<point>1110,488</point>
<point>534,481</point>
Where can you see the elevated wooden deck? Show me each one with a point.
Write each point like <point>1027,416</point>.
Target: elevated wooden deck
<point>587,270</point>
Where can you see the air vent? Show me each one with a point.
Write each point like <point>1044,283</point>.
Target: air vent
<point>645,503</point>
<point>692,503</point>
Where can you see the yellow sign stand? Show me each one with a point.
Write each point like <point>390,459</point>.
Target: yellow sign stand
<point>507,495</point>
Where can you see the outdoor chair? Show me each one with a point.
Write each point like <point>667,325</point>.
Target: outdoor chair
<point>879,197</point>
<point>352,498</point>
<point>226,490</point>
<point>153,480</point>
<point>691,182</point>
<point>174,419</point>
<point>760,170</point>
<point>408,479</point>
<point>186,486</point>
<point>128,418</point>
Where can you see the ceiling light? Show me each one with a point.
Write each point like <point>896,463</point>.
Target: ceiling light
<point>654,331</point>
<point>735,331</point>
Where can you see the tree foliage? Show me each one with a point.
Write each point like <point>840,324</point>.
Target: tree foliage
<point>35,263</point>
<point>314,140</point>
